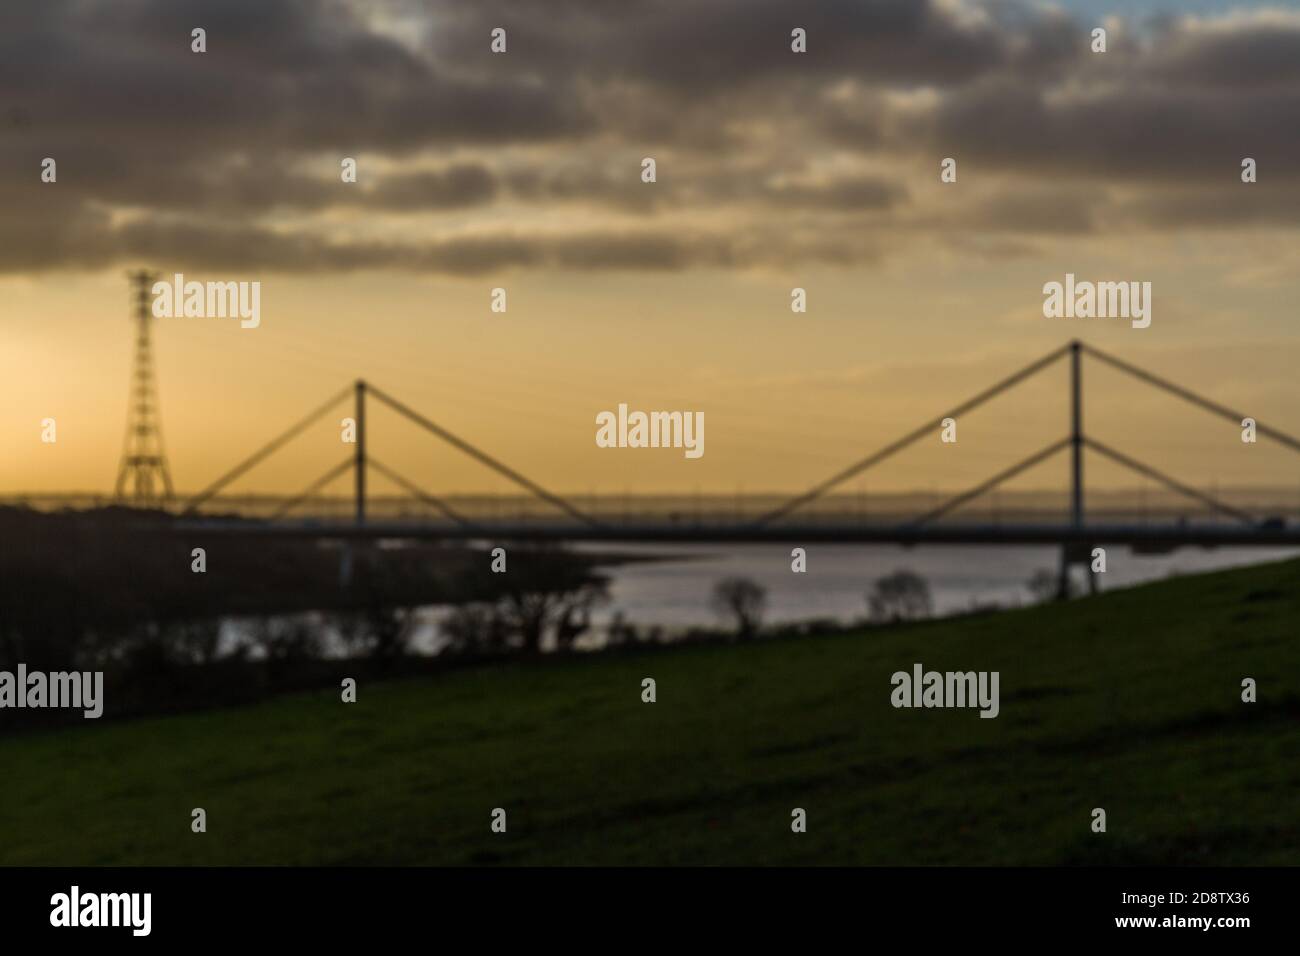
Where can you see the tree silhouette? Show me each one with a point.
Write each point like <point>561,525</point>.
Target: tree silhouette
<point>742,599</point>
<point>901,596</point>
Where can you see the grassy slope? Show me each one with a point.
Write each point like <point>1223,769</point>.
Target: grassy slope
<point>1129,701</point>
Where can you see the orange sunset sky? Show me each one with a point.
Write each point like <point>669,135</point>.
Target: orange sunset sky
<point>522,170</point>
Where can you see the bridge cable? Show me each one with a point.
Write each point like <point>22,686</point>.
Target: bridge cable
<point>1190,396</point>
<point>989,485</point>
<point>1177,486</point>
<point>876,457</point>
<point>483,458</point>
<point>421,495</point>
<point>273,446</point>
<point>316,486</point>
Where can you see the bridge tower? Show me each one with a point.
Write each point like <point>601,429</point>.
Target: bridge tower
<point>143,477</point>
<point>1076,552</point>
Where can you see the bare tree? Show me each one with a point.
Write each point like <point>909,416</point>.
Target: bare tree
<point>559,608</point>
<point>574,617</point>
<point>475,628</point>
<point>743,599</point>
<point>549,593</point>
<point>901,596</point>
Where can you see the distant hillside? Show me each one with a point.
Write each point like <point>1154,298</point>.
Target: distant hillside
<point>1129,701</point>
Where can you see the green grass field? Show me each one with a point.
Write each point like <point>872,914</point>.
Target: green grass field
<point>1130,701</point>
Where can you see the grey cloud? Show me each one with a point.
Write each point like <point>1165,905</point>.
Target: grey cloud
<point>205,151</point>
<point>1130,133</point>
<point>1248,52</point>
<point>703,47</point>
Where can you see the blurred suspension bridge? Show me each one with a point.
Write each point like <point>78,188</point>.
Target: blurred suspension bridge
<point>795,519</point>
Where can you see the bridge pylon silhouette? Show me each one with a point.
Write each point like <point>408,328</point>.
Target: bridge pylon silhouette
<point>1076,537</point>
<point>1077,549</point>
<point>360,461</point>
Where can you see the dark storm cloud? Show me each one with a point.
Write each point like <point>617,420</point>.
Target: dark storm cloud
<point>703,47</point>
<point>1117,133</point>
<point>278,74</point>
<point>1189,102</point>
<point>168,155</point>
<point>1240,54</point>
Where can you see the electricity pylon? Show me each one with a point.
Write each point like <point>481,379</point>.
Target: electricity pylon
<point>142,477</point>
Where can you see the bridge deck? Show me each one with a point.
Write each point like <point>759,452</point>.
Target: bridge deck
<point>1163,537</point>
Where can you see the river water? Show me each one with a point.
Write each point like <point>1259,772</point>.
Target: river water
<point>676,593</point>
<point>672,588</point>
